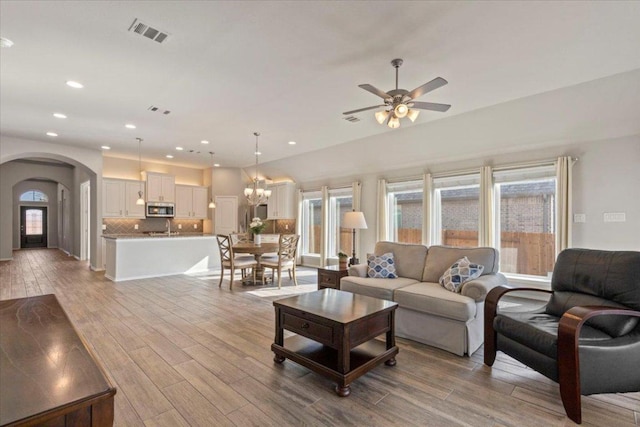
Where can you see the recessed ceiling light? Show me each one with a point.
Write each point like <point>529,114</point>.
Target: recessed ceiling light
<point>257,153</point>
<point>292,143</point>
<point>179,148</point>
<point>59,116</point>
<point>5,42</point>
<point>204,142</point>
<point>169,156</point>
<point>106,147</point>
<point>130,126</point>
<point>217,165</point>
<point>75,85</point>
<point>52,134</point>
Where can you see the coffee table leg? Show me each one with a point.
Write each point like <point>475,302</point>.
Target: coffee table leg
<point>343,391</point>
<point>391,362</point>
<point>279,339</point>
<point>278,359</point>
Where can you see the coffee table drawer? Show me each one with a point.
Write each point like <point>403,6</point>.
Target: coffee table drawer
<point>308,328</point>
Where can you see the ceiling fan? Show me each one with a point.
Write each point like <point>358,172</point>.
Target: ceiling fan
<point>400,103</point>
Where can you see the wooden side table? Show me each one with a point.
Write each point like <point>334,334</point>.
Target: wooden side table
<point>329,277</point>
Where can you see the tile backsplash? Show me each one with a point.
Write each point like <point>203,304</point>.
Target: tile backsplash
<point>127,225</point>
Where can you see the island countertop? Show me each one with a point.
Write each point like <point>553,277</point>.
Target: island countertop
<point>155,235</point>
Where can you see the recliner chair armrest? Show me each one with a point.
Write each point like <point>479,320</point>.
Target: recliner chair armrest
<point>478,289</point>
<point>358,270</point>
<point>568,355</point>
<point>490,310</point>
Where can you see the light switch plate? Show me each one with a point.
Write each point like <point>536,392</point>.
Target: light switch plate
<point>579,218</point>
<point>179,226</point>
<point>615,217</point>
<point>135,226</point>
<point>104,226</point>
<point>195,226</point>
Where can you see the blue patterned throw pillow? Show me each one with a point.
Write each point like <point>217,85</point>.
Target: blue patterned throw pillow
<point>459,273</point>
<point>382,267</point>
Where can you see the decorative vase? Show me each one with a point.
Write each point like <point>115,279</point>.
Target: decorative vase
<point>257,239</point>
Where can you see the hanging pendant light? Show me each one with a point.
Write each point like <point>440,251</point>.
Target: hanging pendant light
<point>212,204</point>
<point>255,194</point>
<point>140,201</point>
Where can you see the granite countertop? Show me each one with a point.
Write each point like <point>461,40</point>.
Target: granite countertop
<point>155,235</point>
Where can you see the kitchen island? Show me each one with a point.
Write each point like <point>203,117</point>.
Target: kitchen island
<point>140,256</point>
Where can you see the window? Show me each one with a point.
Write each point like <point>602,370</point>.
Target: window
<point>340,201</point>
<point>311,223</point>
<point>33,196</point>
<point>456,210</point>
<point>405,201</point>
<point>526,220</point>
<point>34,221</point>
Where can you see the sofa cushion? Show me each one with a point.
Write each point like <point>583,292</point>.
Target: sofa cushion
<point>378,288</point>
<point>459,273</point>
<point>441,257</point>
<point>409,259</point>
<point>434,299</point>
<point>381,267</point>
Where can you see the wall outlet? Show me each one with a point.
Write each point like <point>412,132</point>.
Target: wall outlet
<point>104,226</point>
<point>179,226</point>
<point>615,217</point>
<point>579,218</point>
<point>135,227</point>
<point>286,226</point>
<point>195,226</point>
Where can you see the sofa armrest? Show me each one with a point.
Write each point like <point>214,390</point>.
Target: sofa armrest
<point>358,270</point>
<point>478,289</point>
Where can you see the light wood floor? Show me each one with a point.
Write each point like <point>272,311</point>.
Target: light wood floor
<point>181,351</point>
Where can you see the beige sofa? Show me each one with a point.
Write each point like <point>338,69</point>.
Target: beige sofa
<point>427,312</point>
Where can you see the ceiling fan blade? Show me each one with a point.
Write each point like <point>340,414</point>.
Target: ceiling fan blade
<point>427,87</point>
<point>429,106</point>
<point>374,90</point>
<point>362,109</point>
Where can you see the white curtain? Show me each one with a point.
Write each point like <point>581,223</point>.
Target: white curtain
<point>324,243</point>
<point>427,211</point>
<point>299,220</point>
<point>564,166</point>
<point>486,231</point>
<point>381,220</point>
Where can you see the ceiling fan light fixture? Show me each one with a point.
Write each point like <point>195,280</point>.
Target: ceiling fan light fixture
<point>413,114</point>
<point>401,110</point>
<point>394,122</point>
<point>381,116</point>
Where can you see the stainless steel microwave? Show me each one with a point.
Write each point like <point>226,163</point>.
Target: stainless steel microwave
<point>160,210</point>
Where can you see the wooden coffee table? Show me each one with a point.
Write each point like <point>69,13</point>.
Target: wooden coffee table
<point>335,333</point>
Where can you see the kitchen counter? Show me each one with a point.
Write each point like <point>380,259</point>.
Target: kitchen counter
<point>154,235</point>
<point>141,256</point>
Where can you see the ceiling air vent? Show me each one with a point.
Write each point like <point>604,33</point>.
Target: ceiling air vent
<point>149,32</point>
<point>158,109</point>
<point>352,119</point>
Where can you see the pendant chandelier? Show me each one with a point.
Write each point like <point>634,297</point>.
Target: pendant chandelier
<point>255,194</point>
<point>140,201</point>
<point>212,204</point>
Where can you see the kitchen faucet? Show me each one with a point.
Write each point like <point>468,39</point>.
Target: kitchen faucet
<point>168,226</point>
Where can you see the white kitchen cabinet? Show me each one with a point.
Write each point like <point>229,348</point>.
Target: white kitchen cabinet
<point>281,203</point>
<point>160,187</point>
<point>191,202</point>
<point>119,198</point>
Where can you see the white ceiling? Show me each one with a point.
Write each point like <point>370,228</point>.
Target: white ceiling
<point>286,69</point>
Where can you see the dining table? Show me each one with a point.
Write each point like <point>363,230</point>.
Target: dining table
<point>257,250</point>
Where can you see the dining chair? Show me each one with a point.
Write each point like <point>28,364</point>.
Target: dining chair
<point>242,238</point>
<point>229,261</point>
<point>284,259</point>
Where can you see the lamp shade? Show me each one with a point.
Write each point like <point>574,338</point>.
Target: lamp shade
<point>354,220</point>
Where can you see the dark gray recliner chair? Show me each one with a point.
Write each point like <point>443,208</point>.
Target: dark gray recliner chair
<point>587,337</point>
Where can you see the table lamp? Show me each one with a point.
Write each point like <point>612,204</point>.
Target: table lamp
<point>354,220</point>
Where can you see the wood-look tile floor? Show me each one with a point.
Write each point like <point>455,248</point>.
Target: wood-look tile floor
<point>182,351</point>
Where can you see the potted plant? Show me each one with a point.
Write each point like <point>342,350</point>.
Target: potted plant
<point>257,226</point>
<point>342,259</point>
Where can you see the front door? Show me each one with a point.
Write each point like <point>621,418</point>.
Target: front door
<point>33,227</point>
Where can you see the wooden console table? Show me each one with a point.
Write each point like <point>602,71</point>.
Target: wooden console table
<point>335,334</point>
<point>48,376</point>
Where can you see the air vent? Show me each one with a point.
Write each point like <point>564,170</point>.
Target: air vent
<point>158,109</point>
<point>352,119</point>
<point>148,31</point>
